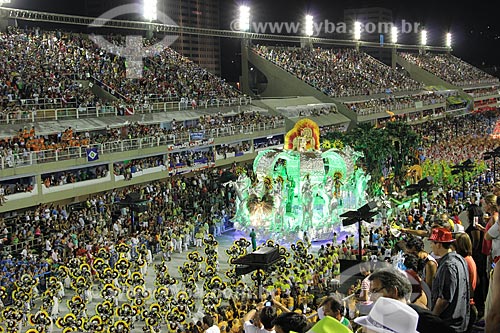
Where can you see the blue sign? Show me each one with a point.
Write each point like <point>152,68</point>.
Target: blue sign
<point>197,136</point>
<point>92,154</point>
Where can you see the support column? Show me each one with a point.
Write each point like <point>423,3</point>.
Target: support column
<point>245,77</point>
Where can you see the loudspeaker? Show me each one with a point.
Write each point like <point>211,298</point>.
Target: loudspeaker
<point>261,257</point>
<point>368,207</point>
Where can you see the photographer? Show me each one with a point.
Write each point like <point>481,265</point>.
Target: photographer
<point>260,319</point>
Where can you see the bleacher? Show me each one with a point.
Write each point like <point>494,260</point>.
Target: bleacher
<point>450,68</point>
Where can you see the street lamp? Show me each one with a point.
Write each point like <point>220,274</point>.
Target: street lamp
<point>493,154</point>
<point>365,213</point>
<point>244,22</point>
<point>423,185</point>
<point>465,166</point>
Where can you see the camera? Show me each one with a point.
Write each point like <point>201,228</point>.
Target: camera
<point>269,301</point>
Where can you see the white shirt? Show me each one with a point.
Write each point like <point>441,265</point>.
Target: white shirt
<point>213,329</point>
<point>251,328</point>
<point>494,232</point>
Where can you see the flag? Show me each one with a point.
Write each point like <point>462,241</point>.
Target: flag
<point>92,154</point>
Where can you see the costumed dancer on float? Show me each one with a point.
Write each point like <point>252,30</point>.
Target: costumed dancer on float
<point>307,203</point>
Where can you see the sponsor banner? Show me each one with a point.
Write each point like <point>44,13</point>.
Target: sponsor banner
<point>187,169</point>
<point>195,143</point>
<point>195,136</point>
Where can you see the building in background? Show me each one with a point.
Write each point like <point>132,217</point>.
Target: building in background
<point>203,50</point>
<point>372,17</point>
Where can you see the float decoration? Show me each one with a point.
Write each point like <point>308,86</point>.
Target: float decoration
<point>299,188</point>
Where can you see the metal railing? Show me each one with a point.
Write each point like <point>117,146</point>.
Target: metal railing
<point>172,142</point>
<point>33,116</point>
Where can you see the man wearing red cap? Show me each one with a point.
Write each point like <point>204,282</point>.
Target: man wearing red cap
<point>450,289</point>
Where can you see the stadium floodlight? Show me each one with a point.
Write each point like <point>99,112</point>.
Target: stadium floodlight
<point>150,10</point>
<point>309,31</point>
<point>394,34</point>
<point>244,18</point>
<point>423,37</point>
<point>357,30</point>
<point>448,39</point>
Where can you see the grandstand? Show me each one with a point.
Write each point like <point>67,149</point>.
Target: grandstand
<point>192,114</point>
<point>76,133</point>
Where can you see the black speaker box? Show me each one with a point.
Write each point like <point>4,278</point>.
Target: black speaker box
<point>260,257</point>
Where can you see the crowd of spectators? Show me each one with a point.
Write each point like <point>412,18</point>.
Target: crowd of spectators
<point>182,208</point>
<point>74,176</point>
<point>309,110</point>
<point>128,168</point>
<point>40,72</point>
<point>339,72</point>
<point>394,103</point>
<point>18,150</point>
<point>457,139</point>
<point>477,92</point>
<point>183,211</point>
<point>42,69</point>
<point>450,68</point>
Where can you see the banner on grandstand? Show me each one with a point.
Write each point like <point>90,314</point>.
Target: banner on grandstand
<point>129,110</point>
<point>192,143</point>
<point>92,154</point>
<point>197,136</point>
<point>182,169</point>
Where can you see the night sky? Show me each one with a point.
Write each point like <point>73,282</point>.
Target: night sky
<point>475,31</point>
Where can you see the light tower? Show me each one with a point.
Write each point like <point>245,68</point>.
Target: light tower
<point>244,21</point>
<point>308,31</point>
<point>423,40</point>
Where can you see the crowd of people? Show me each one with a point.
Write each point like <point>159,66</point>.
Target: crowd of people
<point>450,68</point>
<point>476,92</point>
<point>182,212</point>
<point>394,103</point>
<point>425,267</point>
<point>339,72</point>
<point>46,75</point>
<point>29,147</point>
<point>447,139</point>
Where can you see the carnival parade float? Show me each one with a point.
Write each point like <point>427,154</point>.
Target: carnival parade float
<point>300,188</point>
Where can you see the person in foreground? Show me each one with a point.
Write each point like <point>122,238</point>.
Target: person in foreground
<point>450,289</point>
<point>389,316</point>
<point>392,283</point>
